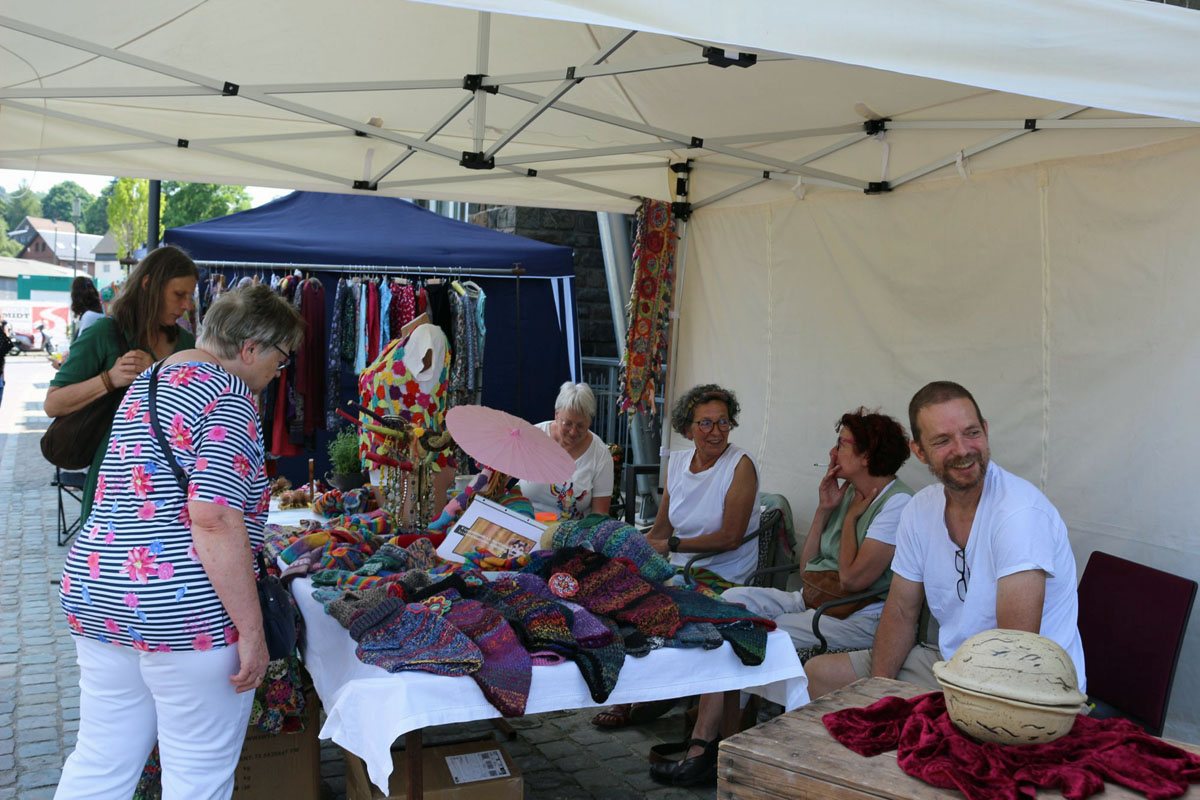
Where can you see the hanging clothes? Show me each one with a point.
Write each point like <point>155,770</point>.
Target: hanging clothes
<point>372,290</point>
<point>362,289</point>
<point>311,375</point>
<point>333,359</point>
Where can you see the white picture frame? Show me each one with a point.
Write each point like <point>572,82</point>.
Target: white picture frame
<point>489,527</point>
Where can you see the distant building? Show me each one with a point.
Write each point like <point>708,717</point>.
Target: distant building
<point>108,269</point>
<point>55,242</point>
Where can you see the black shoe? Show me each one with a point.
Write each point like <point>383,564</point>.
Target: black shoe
<point>699,770</point>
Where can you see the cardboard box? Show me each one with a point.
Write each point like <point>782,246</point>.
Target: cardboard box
<point>465,757</point>
<point>281,765</point>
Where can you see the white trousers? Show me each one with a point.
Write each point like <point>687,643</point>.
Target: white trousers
<point>129,699</point>
<point>790,614</point>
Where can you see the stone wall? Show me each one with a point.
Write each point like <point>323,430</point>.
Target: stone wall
<point>578,230</point>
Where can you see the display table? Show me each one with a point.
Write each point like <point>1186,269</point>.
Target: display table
<point>367,708</point>
<point>793,755</point>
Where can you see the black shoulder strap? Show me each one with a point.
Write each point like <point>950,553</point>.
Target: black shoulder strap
<point>158,431</point>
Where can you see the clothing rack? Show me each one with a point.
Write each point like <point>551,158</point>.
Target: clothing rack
<point>516,270</point>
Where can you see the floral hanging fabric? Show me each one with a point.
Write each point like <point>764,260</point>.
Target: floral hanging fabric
<point>649,307</point>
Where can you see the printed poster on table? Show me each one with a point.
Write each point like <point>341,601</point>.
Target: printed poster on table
<point>490,528</point>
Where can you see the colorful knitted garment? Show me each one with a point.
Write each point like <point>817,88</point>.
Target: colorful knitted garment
<point>279,704</point>
<point>397,636</point>
<point>336,502</point>
<point>350,604</point>
<point>649,307</point>
<point>746,633</point>
<point>615,539</point>
<point>588,629</point>
<point>373,523</point>
<point>696,634</point>
<point>541,624</point>
<point>613,590</point>
<point>505,675</point>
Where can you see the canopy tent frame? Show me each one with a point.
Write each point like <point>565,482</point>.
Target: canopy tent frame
<point>485,156</point>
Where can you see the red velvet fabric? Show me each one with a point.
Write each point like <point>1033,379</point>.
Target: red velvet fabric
<point>929,747</point>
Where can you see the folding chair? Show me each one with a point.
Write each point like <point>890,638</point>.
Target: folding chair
<point>1132,620</point>
<point>71,485</point>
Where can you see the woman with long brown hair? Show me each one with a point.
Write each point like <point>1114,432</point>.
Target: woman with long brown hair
<point>141,328</point>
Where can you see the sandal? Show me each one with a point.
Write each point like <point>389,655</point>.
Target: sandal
<point>625,714</point>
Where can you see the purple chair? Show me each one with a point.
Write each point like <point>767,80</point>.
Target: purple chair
<point>1132,620</point>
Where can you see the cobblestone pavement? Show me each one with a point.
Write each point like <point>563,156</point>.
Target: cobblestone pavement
<point>560,754</point>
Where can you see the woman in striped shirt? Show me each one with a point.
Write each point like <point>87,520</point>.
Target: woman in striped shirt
<point>159,587</point>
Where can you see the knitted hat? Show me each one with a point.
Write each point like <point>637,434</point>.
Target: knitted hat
<point>611,589</point>
<point>601,651</point>
<point>388,558</point>
<point>505,675</point>
<point>396,637</point>
<point>352,603</point>
<point>588,629</point>
<point>636,644</point>
<point>541,624</point>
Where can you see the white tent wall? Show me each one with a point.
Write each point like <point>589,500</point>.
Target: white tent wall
<point>1063,295</point>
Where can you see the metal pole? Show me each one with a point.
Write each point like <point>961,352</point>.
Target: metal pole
<point>152,218</point>
<point>673,344</point>
<point>618,269</point>
<point>75,222</point>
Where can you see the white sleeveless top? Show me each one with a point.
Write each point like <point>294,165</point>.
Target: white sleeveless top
<point>698,507</point>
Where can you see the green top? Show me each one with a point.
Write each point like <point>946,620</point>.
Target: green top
<point>95,351</point>
<point>831,538</point>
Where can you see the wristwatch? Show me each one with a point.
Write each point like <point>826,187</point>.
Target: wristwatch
<point>673,544</point>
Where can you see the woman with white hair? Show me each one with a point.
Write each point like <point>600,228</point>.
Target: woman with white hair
<point>590,489</point>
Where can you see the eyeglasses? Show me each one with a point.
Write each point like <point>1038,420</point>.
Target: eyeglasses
<point>287,358</point>
<point>706,425</point>
<point>964,573</point>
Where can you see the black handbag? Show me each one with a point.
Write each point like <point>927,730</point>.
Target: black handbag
<point>72,440</point>
<point>279,621</point>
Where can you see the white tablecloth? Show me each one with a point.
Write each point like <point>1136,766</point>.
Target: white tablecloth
<point>368,708</point>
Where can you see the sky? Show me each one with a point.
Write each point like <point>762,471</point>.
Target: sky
<point>11,179</point>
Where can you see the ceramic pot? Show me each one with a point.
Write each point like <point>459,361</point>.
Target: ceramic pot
<point>347,481</point>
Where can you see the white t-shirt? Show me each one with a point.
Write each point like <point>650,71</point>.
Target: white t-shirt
<point>1015,529</point>
<point>698,507</point>
<point>593,478</point>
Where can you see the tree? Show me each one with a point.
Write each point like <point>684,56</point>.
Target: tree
<point>7,246</point>
<point>185,203</point>
<point>95,216</point>
<point>128,213</point>
<point>57,202</point>
<point>21,204</point>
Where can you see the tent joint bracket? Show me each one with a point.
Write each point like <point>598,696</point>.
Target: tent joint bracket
<point>878,187</point>
<point>230,89</point>
<point>1031,124</point>
<point>182,143</point>
<point>473,82</point>
<point>874,127</point>
<point>717,57</point>
<point>368,186</point>
<point>476,160</point>
<point>681,210</point>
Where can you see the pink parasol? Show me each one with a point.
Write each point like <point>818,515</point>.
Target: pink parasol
<point>509,444</point>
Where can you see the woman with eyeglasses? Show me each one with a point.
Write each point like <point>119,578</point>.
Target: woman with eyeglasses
<point>590,489</point>
<point>159,586</point>
<point>712,491</point>
<point>707,507</point>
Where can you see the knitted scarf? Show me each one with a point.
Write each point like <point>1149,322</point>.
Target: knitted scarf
<point>649,307</point>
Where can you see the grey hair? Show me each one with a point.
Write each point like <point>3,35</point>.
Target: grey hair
<point>577,397</point>
<point>251,313</point>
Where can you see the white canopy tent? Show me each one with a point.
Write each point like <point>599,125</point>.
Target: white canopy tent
<point>1031,236</point>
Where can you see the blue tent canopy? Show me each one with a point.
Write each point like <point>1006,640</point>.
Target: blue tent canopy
<point>342,229</point>
<point>533,316</point>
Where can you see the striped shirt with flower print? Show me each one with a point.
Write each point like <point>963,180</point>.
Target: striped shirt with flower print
<point>133,578</point>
